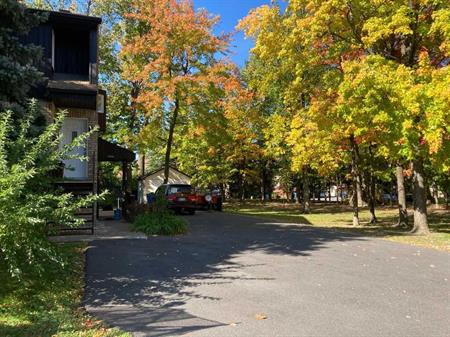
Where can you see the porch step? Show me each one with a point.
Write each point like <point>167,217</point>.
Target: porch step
<point>86,214</point>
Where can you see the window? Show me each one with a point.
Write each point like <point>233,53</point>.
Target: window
<point>100,103</point>
<point>71,54</point>
<point>161,190</point>
<point>180,189</point>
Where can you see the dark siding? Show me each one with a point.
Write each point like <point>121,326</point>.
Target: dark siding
<point>93,56</point>
<point>41,36</point>
<point>64,100</point>
<point>71,52</point>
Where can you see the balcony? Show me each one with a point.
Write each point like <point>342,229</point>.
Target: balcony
<point>69,43</point>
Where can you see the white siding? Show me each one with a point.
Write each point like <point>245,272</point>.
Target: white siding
<point>152,182</point>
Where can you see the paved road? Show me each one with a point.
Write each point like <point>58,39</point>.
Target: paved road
<point>307,282</point>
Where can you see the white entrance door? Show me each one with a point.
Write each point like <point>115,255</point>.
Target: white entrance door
<point>71,129</point>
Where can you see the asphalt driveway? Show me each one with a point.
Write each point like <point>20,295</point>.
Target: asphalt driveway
<point>242,276</point>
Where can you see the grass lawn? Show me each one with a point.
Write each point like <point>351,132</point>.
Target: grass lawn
<point>49,306</point>
<point>339,217</point>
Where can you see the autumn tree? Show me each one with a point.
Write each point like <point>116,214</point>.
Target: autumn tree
<point>174,59</point>
<point>218,141</point>
<point>324,46</point>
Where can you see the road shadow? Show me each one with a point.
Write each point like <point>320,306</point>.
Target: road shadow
<point>141,286</point>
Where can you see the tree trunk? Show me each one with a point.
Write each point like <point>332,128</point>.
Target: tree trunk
<point>222,191</point>
<point>338,186</point>
<point>170,141</point>
<point>141,196</point>
<point>243,187</point>
<point>372,197</point>
<point>435,195</point>
<point>359,189</point>
<point>371,188</point>
<point>329,192</point>
<point>355,174</point>
<point>306,206</point>
<point>420,199</point>
<point>320,190</point>
<point>262,191</point>
<point>401,197</point>
<point>263,182</point>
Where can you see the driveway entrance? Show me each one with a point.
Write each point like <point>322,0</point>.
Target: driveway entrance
<point>243,276</point>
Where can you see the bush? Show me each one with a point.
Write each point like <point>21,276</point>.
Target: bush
<point>29,200</point>
<point>160,223</point>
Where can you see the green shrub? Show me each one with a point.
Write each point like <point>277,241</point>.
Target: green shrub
<point>29,200</point>
<point>160,223</point>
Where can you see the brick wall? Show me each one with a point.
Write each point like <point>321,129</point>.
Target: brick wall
<point>92,145</point>
<point>49,109</point>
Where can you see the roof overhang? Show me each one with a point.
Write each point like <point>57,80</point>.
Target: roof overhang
<point>112,152</point>
<point>67,18</point>
<point>171,167</point>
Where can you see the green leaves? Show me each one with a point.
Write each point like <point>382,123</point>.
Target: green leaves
<point>373,69</point>
<point>28,199</point>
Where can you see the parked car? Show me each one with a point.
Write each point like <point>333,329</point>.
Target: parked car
<point>209,199</point>
<point>388,197</point>
<point>180,197</point>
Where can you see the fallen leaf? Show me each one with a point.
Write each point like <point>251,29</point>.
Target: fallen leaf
<point>260,316</point>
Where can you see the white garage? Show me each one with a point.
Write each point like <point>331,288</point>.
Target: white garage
<point>152,180</point>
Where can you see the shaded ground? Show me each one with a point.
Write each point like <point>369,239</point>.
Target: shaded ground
<point>339,217</point>
<point>308,282</point>
<point>103,230</point>
<point>49,305</point>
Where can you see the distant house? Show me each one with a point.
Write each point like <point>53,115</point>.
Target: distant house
<point>70,64</point>
<point>152,180</point>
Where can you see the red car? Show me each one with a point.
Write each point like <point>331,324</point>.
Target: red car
<point>209,199</point>
<point>180,197</point>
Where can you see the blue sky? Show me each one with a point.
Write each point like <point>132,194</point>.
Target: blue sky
<point>231,11</point>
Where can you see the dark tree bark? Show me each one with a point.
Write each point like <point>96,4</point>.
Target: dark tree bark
<point>170,140</point>
<point>329,191</point>
<point>372,198</point>
<point>264,181</point>
<point>319,185</point>
<point>371,189</point>
<point>141,196</point>
<point>359,189</point>
<point>401,196</point>
<point>355,175</point>
<point>435,195</point>
<point>306,205</point>
<point>222,191</point>
<point>420,199</point>
<point>142,164</point>
<point>242,183</point>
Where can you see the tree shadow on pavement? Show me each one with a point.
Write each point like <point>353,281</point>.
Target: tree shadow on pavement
<point>142,285</point>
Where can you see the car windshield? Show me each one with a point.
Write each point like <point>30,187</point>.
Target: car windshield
<point>180,189</point>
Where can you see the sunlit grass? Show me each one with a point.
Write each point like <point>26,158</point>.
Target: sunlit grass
<point>49,306</point>
<point>339,217</point>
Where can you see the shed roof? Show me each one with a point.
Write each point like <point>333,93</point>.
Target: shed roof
<point>161,169</point>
